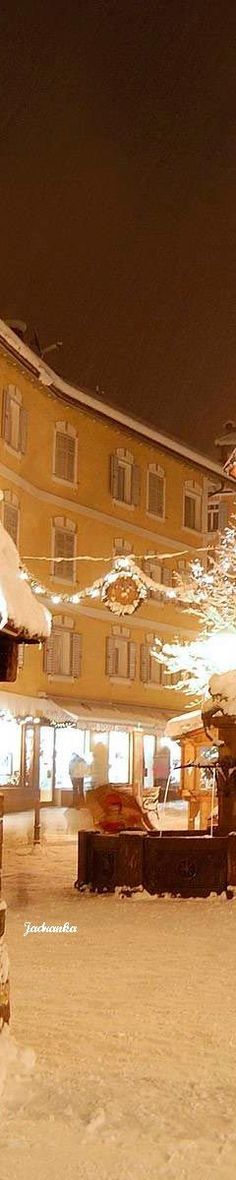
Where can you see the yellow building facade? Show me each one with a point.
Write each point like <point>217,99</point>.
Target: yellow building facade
<point>81,480</point>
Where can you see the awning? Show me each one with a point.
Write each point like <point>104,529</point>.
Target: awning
<point>186,723</point>
<point>105,715</point>
<point>25,708</point>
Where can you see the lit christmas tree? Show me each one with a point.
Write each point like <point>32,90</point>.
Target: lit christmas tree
<point>211,595</point>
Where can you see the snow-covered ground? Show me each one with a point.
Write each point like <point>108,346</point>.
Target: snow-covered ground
<point>133,1023</point>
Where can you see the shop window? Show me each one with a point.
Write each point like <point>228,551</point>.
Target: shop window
<point>64,539</point>
<point>69,741</point>
<point>156,491</point>
<point>120,657</point>
<point>192,506</point>
<point>118,757</point>
<point>14,419</point>
<point>124,478</point>
<point>62,653</point>
<point>10,751</point>
<point>148,759</point>
<point>64,457</point>
<point>10,515</point>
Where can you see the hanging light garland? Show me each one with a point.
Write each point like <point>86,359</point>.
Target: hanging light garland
<point>122,590</point>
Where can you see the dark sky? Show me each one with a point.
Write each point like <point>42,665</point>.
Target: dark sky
<point>118,199</point>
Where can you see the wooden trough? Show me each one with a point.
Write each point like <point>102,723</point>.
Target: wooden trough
<point>180,865</point>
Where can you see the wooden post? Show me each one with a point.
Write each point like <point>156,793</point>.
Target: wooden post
<point>36,787</point>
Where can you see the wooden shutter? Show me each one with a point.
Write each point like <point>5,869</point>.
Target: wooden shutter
<point>166,576</point>
<point>155,494</point>
<point>114,476</point>
<point>10,520</point>
<point>76,653</point>
<point>64,546</point>
<point>21,655</point>
<point>132,660</point>
<point>6,416</point>
<point>136,483</point>
<point>110,655</point>
<point>48,655</point>
<point>144,663</point>
<point>223,515</point>
<point>23,423</point>
<point>65,456</point>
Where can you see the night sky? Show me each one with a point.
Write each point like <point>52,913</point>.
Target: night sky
<point>118,199</point>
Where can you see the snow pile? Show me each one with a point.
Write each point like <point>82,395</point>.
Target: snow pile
<point>18,605</point>
<point>15,1065</point>
<point>222,688</point>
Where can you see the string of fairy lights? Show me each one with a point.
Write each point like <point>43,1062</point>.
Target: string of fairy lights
<point>125,563</point>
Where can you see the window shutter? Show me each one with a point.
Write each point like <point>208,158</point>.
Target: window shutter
<point>23,431</point>
<point>10,520</point>
<point>110,656</point>
<point>135,484</point>
<point>223,515</point>
<point>65,456</point>
<point>166,576</point>
<point>6,416</point>
<point>114,476</point>
<point>64,546</point>
<point>48,656</point>
<point>144,663</point>
<point>155,494</point>
<point>76,653</point>
<point>132,660</point>
<point>21,655</point>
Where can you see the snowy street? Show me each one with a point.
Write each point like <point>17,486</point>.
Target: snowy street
<point>132,1021</point>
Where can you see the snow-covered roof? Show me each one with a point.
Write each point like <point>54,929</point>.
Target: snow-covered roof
<point>222,688</point>
<point>185,723</point>
<point>47,377</point>
<point>15,705</point>
<point>20,611</point>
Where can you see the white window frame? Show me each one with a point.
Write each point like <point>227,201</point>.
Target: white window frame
<point>66,429</point>
<point>193,491</point>
<point>155,469</point>
<point>67,526</point>
<point>14,396</point>
<point>11,500</point>
<point>125,461</point>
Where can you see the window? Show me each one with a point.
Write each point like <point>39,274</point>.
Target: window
<point>63,650</point>
<point>217,516</point>
<point>151,672</point>
<point>124,478</point>
<point>192,505</point>
<point>119,757</point>
<point>14,419</point>
<point>121,548</point>
<point>155,491</point>
<point>120,655</point>
<point>150,669</point>
<point>156,569</point>
<point>64,457</point>
<point>213,517</point>
<point>10,515</point>
<point>64,537</point>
